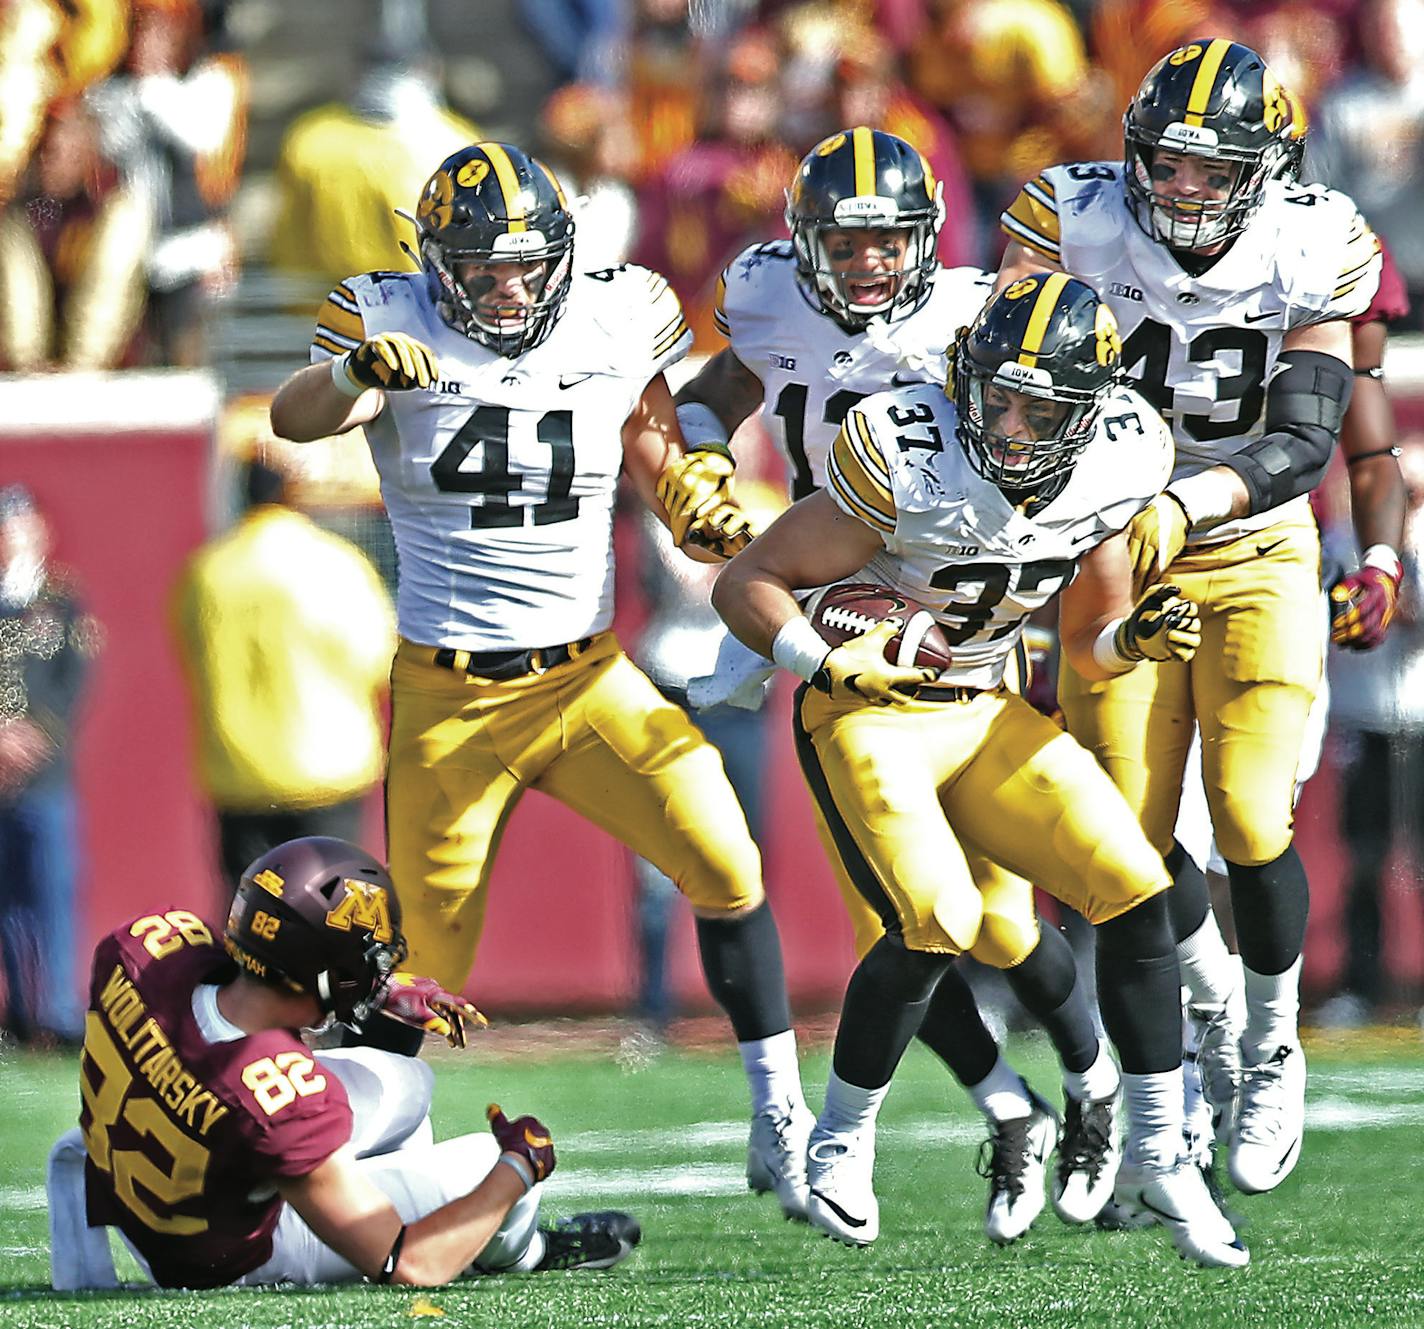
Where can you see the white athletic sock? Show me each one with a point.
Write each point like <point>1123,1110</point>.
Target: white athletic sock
<point>1272,1012</point>
<point>773,1072</point>
<point>1098,1082</point>
<point>1154,1116</point>
<point>1002,1095</point>
<point>1207,966</point>
<point>533,1253</point>
<point>851,1110</point>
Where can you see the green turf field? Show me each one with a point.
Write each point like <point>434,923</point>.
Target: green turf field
<point>1339,1244</point>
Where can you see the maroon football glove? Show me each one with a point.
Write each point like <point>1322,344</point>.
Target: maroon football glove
<point>423,1004</point>
<point>526,1136</point>
<point>1361,606</point>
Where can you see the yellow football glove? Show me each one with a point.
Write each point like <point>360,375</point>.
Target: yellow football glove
<point>1154,538</point>
<point>724,530</point>
<point>1162,626</point>
<point>392,361</point>
<point>692,485</point>
<point>859,669</point>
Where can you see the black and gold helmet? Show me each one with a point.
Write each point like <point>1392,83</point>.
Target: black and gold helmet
<point>1047,337</point>
<point>318,916</point>
<point>865,179</point>
<point>489,203</point>
<point>1211,98</point>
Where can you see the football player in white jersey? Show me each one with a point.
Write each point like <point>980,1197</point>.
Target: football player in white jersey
<point>853,303</point>
<point>983,507</point>
<point>1234,289</point>
<point>503,393</point>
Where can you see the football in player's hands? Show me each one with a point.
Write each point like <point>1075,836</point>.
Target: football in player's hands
<point>841,613</point>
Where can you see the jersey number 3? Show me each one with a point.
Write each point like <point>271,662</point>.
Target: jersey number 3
<point>487,428</point>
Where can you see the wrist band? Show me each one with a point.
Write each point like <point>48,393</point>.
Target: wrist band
<point>702,429</point>
<point>1385,559</point>
<point>1108,652</point>
<point>521,1167</point>
<point>341,380</point>
<point>388,1269</point>
<point>1206,497</point>
<point>798,647</point>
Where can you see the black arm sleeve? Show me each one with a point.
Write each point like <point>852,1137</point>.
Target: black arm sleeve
<point>1305,404</point>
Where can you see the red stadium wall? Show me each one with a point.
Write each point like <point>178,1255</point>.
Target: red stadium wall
<point>129,503</point>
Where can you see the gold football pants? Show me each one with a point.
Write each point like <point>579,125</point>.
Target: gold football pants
<point>913,794</point>
<point>1249,689</point>
<point>593,733</point>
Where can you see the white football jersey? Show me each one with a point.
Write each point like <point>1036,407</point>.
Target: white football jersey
<point>500,479</point>
<point>812,369</point>
<point>956,544</point>
<point>1202,349</point>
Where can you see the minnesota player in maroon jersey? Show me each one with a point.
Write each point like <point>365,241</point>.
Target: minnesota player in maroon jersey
<point>225,1151</point>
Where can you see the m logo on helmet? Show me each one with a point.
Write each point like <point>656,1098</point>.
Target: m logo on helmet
<point>471,173</point>
<point>363,906</point>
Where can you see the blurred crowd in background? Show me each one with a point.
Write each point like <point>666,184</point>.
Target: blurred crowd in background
<point>181,181</point>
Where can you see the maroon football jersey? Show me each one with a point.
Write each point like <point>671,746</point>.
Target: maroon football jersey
<point>187,1138</point>
<point>1391,302</point>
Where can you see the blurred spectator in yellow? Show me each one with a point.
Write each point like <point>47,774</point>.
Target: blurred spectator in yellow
<point>1128,37</point>
<point>72,247</point>
<point>725,191</point>
<point>286,634</point>
<point>344,168</point>
<point>1014,80</point>
<point>590,146</point>
<point>175,122</point>
<point>664,78</point>
<point>49,49</point>
<point>1367,136</point>
<point>46,644</point>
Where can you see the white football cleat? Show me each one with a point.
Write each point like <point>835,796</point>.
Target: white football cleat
<point>1088,1158</point>
<point>840,1170</point>
<point>1014,1159</point>
<point>1176,1196</point>
<point>776,1156</point>
<point>1270,1121</point>
<point>1216,1035</point>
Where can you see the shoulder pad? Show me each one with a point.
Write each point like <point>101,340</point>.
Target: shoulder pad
<point>857,473</point>
<point>741,289</point>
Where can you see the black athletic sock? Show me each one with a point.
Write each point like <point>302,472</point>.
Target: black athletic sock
<point>1139,988</point>
<point>1046,982</point>
<point>1271,904</point>
<point>954,1030</point>
<point>884,1005</point>
<point>741,961</point>
<point>385,1034</point>
<point>1189,901</point>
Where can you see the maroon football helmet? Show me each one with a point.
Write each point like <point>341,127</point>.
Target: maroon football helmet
<point>318,916</point>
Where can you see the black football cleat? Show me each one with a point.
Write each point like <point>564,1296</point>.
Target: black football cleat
<point>589,1241</point>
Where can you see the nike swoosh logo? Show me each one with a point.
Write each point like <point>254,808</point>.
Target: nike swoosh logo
<point>898,382</point>
<point>1260,318</point>
<point>1263,550</point>
<point>571,380</point>
<point>840,1213</point>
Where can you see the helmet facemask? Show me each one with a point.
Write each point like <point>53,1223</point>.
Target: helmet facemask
<point>832,288</point>
<point>1195,224</point>
<point>1042,455</point>
<point>459,304</point>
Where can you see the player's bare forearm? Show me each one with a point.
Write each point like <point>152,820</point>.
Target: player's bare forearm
<point>813,543</point>
<point>1098,597</point>
<point>1020,261</point>
<point>357,1220</point>
<point>727,387</point>
<point>1378,502</point>
<point>651,439</point>
<point>309,406</point>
